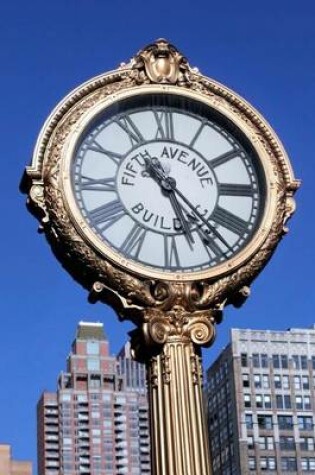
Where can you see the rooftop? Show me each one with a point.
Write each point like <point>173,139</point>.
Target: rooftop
<point>90,331</point>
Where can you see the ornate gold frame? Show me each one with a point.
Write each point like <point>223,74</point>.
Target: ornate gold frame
<point>175,314</point>
<point>158,68</point>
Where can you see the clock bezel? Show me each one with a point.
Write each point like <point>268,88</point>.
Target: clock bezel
<point>107,252</point>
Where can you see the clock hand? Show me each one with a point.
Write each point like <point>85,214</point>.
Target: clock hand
<point>152,163</point>
<point>170,183</point>
<point>180,215</point>
<point>199,216</point>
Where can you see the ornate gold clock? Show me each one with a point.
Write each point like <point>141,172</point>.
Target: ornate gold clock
<point>164,193</point>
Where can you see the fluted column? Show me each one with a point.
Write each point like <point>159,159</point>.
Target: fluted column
<point>168,339</point>
<point>178,432</point>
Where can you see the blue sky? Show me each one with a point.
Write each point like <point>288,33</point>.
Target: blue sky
<point>263,50</point>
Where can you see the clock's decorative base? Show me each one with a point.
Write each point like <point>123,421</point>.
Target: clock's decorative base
<point>169,342</point>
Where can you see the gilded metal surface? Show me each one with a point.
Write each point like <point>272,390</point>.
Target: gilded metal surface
<point>175,313</point>
<point>179,438</point>
<point>47,181</point>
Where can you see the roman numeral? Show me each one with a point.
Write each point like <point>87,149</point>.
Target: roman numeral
<point>234,189</point>
<point>209,243</point>
<point>133,243</point>
<point>225,157</point>
<point>96,147</point>
<point>165,125</point>
<point>171,258</point>
<point>107,214</point>
<point>98,184</point>
<point>195,137</point>
<point>229,220</point>
<point>128,126</point>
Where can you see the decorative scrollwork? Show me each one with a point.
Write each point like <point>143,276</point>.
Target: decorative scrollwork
<point>160,63</point>
<point>165,307</point>
<point>202,332</point>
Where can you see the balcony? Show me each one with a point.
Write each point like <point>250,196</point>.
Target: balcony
<point>121,445</point>
<point>144,450</point>
<point>122,470</point>
<point>52,464</point>
<point>51,422</point>
<point>50,446</point>
<point>49,411</point>
<point>85,470</point>
<point>121,454</point>
<point>120,419</point>
<point>51,455</point>
<point>51,437</point>
<point>83,417</point>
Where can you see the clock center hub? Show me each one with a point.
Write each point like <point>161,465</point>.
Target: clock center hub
<point>142,189</point>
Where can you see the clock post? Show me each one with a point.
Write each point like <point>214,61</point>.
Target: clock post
<point>164,194</point>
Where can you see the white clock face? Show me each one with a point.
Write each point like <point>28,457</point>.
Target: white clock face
<point>168,183</point>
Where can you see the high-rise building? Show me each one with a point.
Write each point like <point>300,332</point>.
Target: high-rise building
<point>12,467</point>
<point>96,423</point>
<point>261,403</point>
<point>134,377</point>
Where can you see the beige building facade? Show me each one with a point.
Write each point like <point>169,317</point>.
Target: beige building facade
<point>261,403</point>
<point>12,467</point>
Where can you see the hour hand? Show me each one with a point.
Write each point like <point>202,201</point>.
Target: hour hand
<point>153,167</point>
<point>168,184</point>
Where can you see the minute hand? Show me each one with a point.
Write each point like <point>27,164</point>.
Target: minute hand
<point>193,208</point>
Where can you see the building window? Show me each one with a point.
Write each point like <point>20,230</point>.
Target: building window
<point>306,402</point>
<point>305,382</point>
<point>267,463</point>
<point>65,397</point>
<point>283,401</point>
<point>264,360</point>
<point>284,362</point>
<point>297,382</point>
<point>247,402</point>
<point>277,381</point>
<point>285,422</point>
<point>313,362</point>
<point>287,443</point>
<point>305,422</point>
<point>285,382</point>
<point>298,402</point>
<point>276,361</point>
<point>244,360</point>
<point>251,463</point>
<point>257,381</point>
<point>249,421</point>
<point>245,378</point>
<point>256,362</point>
<point>250,442</point>
<point>287,401</point>
<point>266,443</point>
<point>288,464</point>
<point>296,361</point>
<point>93,364</point>
<point>93,347</point>
<point>265,381</point>
<point>308,464</point>
<point>259,400</point>
<point>264,421</point>
<point>279,401</point>
<point>267,401</point>
<point>307,443</point>
<point>303,362</point>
